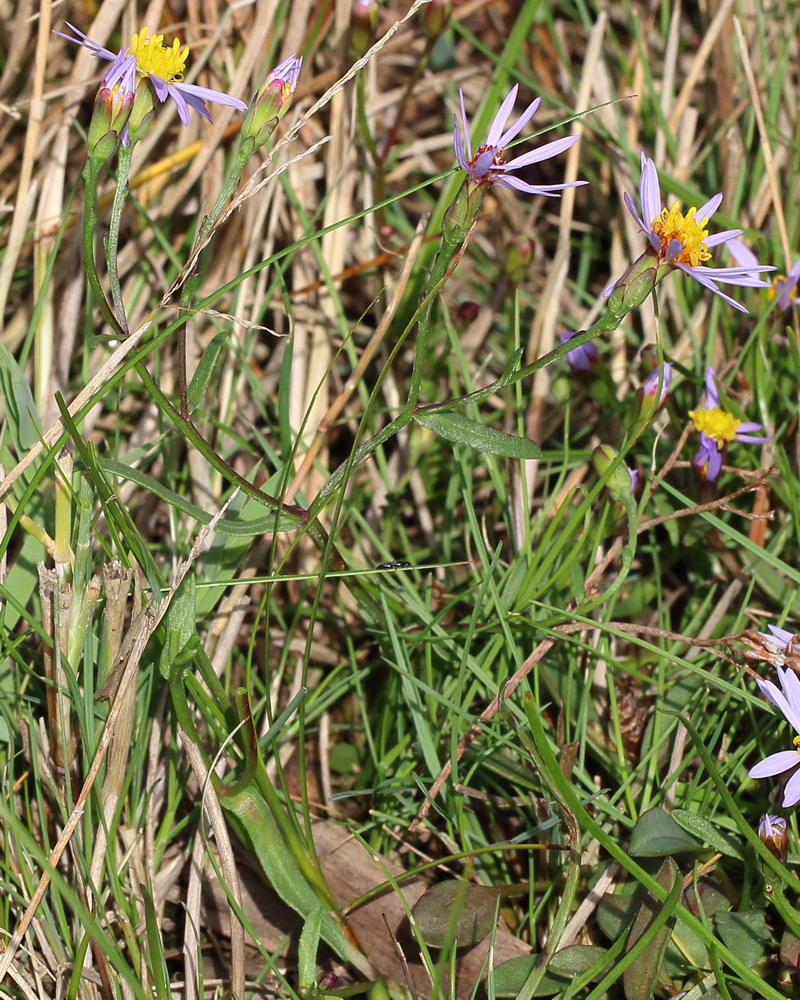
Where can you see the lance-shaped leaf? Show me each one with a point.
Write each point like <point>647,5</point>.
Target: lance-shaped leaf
<point>459,429</point>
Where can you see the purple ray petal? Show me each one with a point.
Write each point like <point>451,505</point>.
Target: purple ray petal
<point>520,123</point>
<point>207,94</point>
<point>776,763</point>
<point>545,152</point>
<point>707,210</point>
<point>500,119</point>
<point>724,237</point>
<point>649,191</point>
<point>467,140</point>
<point>632,209</point>
<point>791,795</point>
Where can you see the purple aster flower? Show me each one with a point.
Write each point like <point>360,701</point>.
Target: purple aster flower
<point>634,477</point>
<point>783,285</point>
<point>717,428</point>
<point>164,67</point>
<point>487,166</point>
<point>772,833</point>
<point>681,239</point>
<point>582,358</point>
<point>787,700</point>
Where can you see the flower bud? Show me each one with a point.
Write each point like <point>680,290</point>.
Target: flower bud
<point>141,113</point>
<point>112,108</point>
<point>466,313</point>
<point>437,17</point>
<point>647,403</point>
<point>272,101</point>
<point>621,482</point>
<point>463,210</point>
<point>772,833</point>
<point>519,257</point>
<point>363,22</point>
<point>111,113</point>
<point>635,285</point>
<point>583,358</point>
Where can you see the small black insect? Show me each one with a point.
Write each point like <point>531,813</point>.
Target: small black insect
<point>397,564</point>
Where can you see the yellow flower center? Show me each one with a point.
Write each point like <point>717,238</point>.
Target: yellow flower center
<point>796,742</point>
<point>772,291</point>
<point>687,230</point>
<point>715,424</point>
<point>152,57</point>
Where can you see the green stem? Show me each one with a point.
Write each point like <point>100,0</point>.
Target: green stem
<point>89,264</point>
<point>112,242</point>
<point>246,150</point>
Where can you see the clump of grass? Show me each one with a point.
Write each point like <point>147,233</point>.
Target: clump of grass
<point>324,574</point>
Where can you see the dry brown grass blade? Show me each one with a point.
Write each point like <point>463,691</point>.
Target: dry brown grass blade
<point>24,200</point>
<point>766,148</point>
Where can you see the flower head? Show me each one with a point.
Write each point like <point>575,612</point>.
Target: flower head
<point>164,67</point>
<point>718,427</point>
<point>783,285</point>
<point>486,166</point>
<point>786,285</point>
<point>787,700</point>
<point>680,239</point>
<point>772,833</point>
<point>582,358</point>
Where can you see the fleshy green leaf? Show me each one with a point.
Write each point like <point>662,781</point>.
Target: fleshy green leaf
<point>656,834</point>
<point>459,429</point>
<point>575,960</point>
<point>744,934</point>
<point>643,974</point>
<point>456,911</point>
<point>564,966</point>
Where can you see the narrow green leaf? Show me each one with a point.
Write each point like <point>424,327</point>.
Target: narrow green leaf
<point>209,360</point>
<point>308,947</point>
<point>23,417</point>
<point>245,526</point>
<point>257,827</point>
<point>704,829</point>
<point>179,623</point>
<point>156,961</point>
<point>459,429</point>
